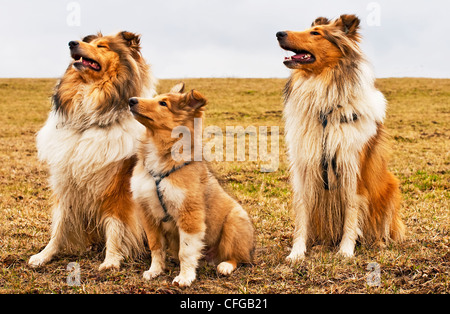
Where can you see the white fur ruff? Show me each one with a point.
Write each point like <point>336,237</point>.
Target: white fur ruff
<point>81,167</point>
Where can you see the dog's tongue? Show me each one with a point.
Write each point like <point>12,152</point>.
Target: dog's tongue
<point>86,63</point>
<point>91,64</point>
<point>301,56</point>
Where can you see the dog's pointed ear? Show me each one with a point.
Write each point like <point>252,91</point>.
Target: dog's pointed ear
<point>131,39</point>
<point>178,88</point>
<point>320,21</point>
<point>349,24</point>
<point>195,100</point>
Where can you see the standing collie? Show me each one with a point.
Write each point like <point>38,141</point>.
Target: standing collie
<point>336,141</point>
<point>183,206</point>
<point>90,142</point>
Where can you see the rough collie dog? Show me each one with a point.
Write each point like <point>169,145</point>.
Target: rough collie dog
<point>336,141</point>
<point>183,206</point>
<point>89,142</point>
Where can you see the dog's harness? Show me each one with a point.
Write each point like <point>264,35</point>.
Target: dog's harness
<point>158,178</point>
<point>323,118</point>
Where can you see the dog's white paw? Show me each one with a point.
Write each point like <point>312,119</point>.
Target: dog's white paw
<point>346,254</point>
<point>346,250</point>
<point>152,273</point>
<point>38,260</point>
<point>297,252</point>
<point>225,268</point>
<point>295,257</point>
<point>109,264</point>
<point>183,281</point>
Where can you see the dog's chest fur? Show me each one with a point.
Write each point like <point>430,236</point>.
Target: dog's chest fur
<point>144,187</point>
<point>325,122</point>
<point>82,163</point>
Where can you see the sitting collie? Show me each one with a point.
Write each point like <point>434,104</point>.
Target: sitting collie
<point>183,206</point>
<point>336,141</point>
<point>89,142</point>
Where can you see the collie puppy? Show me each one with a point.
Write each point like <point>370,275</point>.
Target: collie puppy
<point>183,207</point>
<point>336,141</point>
<point>89,142</point>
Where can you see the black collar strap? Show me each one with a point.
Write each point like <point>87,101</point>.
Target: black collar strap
<point>161,176</point>
<point>158,178</point>
<point>323,118</point>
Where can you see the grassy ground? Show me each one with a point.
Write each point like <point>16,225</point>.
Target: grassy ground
<point>418,120</point>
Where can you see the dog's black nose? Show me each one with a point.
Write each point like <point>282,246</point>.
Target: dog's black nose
<point>281,35</point>
<point>133,101</point>
<point>73,44</point>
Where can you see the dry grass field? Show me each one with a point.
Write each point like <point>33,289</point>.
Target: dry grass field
<point>418,121</point>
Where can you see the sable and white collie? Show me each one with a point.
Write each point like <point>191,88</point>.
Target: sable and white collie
<point>336,141</point>
<point>183,206</point>
<point>89,142</point>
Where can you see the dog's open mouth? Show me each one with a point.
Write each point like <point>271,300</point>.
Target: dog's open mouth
<point>300,57</point>
<point>81,61</point>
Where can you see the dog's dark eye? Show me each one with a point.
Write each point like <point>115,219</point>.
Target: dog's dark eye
<point>101,46</point>
<point>315,33</point>
<point>163,103</point>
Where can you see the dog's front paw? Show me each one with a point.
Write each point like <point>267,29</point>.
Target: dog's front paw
<point>346,250</point>
<point>109,264</point>
<point>346,254</point>
<point>297,252</point>
<point>152,273</point>
<point>38,260</point>
<point>295,257</point>
<point>183,281</point>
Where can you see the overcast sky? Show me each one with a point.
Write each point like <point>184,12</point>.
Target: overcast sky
<point>221,38</point>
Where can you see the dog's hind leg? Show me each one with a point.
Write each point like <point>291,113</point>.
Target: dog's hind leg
<point>236,241</point>
<point>55,243</point>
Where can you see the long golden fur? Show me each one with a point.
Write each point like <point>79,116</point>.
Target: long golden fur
<point>336,141</point>
<point>200,217</point>
<point>89,142</point>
